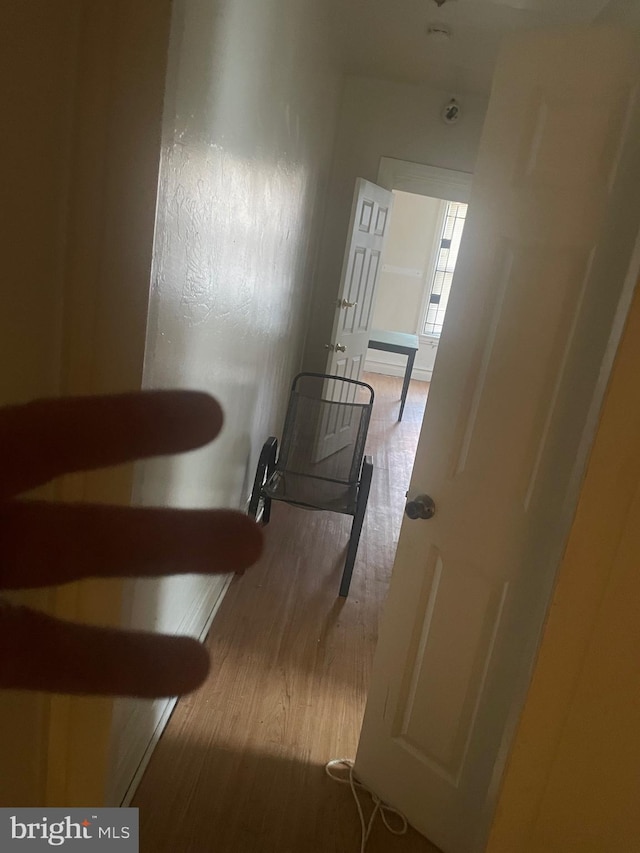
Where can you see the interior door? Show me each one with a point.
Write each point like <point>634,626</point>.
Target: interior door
<point>553,214</point>
<point>368,227</point>
<point>370,214</point>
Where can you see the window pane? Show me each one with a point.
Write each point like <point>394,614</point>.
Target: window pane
<point>446,260</point>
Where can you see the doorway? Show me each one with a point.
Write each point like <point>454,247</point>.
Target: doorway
<point>417,272</point>
<point>418,267</point>
<point>419,259</point>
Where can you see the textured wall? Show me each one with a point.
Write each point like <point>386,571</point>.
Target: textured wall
<point>248,127</point>
<point>252,97</point>
<point>380,118</point>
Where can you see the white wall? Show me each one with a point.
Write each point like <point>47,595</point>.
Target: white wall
<point>382,119</point>
<point>407,265</point>
<point>251,105</point>
<point>407,255</point>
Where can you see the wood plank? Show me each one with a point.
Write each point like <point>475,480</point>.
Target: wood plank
<point>240,767</point>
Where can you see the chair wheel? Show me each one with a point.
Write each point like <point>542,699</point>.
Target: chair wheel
<point>259,503</point>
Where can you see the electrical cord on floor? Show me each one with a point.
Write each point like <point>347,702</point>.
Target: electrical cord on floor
<point>378,805</point>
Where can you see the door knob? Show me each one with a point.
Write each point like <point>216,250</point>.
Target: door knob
<point>329,347</point>
<point>341,348</point>
<point>344,303</point>
<point>420,507</point>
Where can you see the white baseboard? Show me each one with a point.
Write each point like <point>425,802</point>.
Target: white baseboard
<point>165,713</point>
<point>387,369</point>
<point>196,623</point>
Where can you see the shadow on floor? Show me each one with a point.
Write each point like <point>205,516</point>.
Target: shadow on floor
<point>240,767</point>
<point>219,799</point>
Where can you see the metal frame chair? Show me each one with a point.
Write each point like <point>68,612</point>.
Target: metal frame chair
<point>321,464</point>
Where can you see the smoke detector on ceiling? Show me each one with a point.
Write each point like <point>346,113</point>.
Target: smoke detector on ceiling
<point>439,32</point>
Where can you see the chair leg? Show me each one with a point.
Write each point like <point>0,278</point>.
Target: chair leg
<point>356,527</point>
<point>271,467</point>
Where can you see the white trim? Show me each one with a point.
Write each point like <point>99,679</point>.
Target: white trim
<point>387,369</point>
<point>169,705</point>
<point>422,179</point>
<point>197,622</point>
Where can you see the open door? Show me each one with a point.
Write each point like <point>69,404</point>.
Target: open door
<point>553,216</point>
<point>368,226</point>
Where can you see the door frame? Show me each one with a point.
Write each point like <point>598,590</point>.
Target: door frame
<point>568,516</point>
<point>423,179</point>
<point>581,615</point>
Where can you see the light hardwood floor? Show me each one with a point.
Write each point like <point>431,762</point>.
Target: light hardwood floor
<point>240,767</point>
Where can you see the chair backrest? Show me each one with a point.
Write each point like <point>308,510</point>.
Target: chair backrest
<point>326,427</point>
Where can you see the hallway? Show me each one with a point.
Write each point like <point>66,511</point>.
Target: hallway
<point>240,767</point>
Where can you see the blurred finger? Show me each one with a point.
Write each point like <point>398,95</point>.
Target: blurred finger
<point>38,652</point>
<point>43,544</point>
<point>47,438</point>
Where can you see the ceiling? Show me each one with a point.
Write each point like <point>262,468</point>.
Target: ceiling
<point>387,38</point>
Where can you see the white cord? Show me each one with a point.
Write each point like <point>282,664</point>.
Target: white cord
<point>378,805</point>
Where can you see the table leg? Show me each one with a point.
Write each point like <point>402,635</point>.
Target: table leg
<point>405,384</point>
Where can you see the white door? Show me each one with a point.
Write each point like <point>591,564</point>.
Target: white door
<point>553,214</point>
<point>370,214</point>
<point>368,227</point>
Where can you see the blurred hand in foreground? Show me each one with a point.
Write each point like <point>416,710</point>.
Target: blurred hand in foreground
<point>45,544</point>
